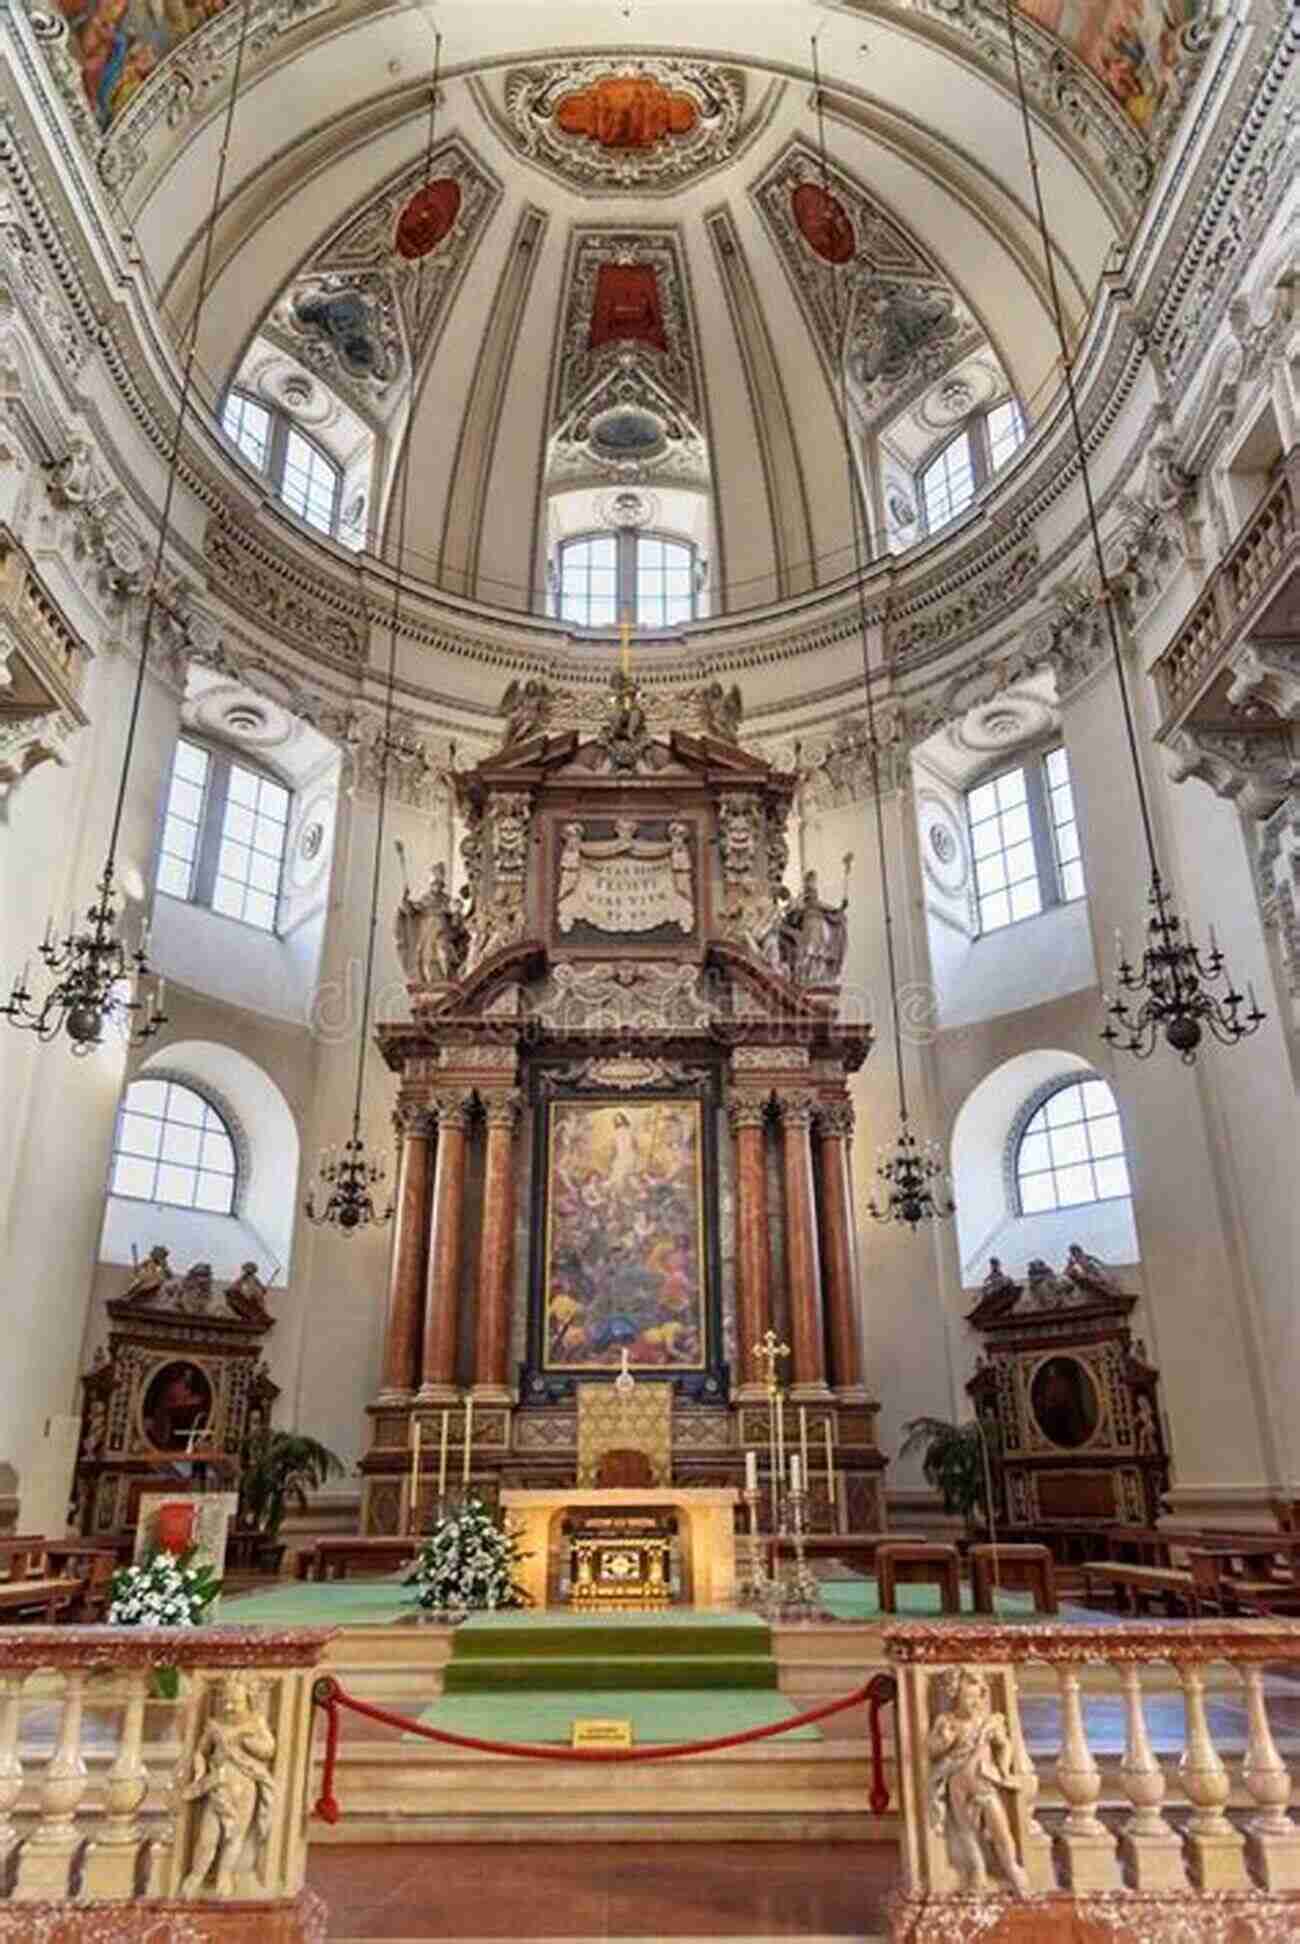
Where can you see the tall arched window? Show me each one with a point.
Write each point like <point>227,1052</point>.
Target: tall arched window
<point>950,479</point>
<point>650,577</point>
<point>1071,1150</point>
<point>173,1146</point>
<point>301,473</point>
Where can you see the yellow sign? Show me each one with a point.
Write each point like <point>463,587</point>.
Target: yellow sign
<point>591,1732</point>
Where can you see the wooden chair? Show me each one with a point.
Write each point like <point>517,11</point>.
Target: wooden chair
<point>623,1469</point>
<point>1024,1568</point>
<point>903,1562</point>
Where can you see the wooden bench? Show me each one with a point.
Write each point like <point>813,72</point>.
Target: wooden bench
<point>93,1565</point>
<point>1023,1568</point>
<point>907,1562</point>
<point>332,1558</point>
<point>28,1589</point>
<point>1194,1589</point>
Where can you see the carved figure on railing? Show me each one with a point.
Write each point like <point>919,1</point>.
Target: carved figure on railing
<point>232,1776</point>
<point>816,935</point>
<point>246,1296</point>
<point>429,931</point>
<point>1090,1274</point>
<point>972,1761</point>
<point>149,1278</point>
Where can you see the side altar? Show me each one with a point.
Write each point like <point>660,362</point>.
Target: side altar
<point>625,1124</point>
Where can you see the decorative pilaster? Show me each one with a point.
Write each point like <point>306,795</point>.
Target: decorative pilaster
<point>406,1272</point>
<point>839,1241</point>
<point>803,1264</point>
<point>496,1257</point>
<point>446,1250</point>
<point>747,1113</point>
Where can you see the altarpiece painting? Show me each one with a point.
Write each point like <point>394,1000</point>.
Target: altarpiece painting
<point>624,1246</point>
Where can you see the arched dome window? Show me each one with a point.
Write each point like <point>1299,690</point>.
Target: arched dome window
<point>652,578</point>
<point>173,1146</point>
<point>949,481</point>
<point>1071,1149</point>
<point>301,474</point>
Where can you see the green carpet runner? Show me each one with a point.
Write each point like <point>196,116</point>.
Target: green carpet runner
<point>545,1653</point>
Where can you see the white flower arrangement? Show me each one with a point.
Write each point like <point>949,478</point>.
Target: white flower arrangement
<point>467,1564</point>
<point>164,1590</point>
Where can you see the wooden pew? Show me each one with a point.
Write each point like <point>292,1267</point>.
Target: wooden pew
<point>332,1557</point>
<point>29,1590</point>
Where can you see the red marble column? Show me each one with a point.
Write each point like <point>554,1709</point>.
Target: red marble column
<point>496,1252</point>
<point>803,1264</point>
<point>406,1269</point>
<point>748,1115</point>
<point>446,1249</point>
<point>839,1240</point>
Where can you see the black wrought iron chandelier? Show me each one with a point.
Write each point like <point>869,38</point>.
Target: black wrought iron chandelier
<point>101,980</point>
<point>346,1176</point>
<point>1173,976</point>
<point>914,1180</point>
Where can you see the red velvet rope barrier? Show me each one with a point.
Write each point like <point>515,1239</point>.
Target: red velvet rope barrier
<point>330,1698</point>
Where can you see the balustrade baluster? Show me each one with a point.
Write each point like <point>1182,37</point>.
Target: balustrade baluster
<point>1272,1838</point>
<point>44,1861</point>
<point>111,1866</point>
<point>1150,1849</point>
<point>11,1768</point>
<point>1089,1846</point>
<point>1035,1843</point>
<point>1214,1846</point>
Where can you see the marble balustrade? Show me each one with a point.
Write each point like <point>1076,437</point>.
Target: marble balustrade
<point>1133,1850</point>
<point>111,1795</point>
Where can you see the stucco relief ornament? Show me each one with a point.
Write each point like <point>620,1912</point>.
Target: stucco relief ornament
<point>232,1775</point>
<point>626,124</point>
<point>972,1766</point>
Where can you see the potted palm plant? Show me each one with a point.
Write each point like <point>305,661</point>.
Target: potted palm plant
<point>277,1470</point>
<point>953,1460</point>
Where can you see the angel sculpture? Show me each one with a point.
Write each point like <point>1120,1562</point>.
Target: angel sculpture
<point>231,1775</point>
<point>971,1763</point>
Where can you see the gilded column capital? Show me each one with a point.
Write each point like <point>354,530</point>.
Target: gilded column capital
<point>747,1110</point>
<point>836,1120</point>
<point>796,1107</point>
<point>453,1107</point>
<point>413,1117</point>
<point>503,1109</point>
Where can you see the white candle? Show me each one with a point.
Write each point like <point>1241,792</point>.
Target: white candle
<point>803,1438</point>
<point>442,1457</point>
<point>415,1475</point>
<point>780,1442</point>
<point>796,1473</point>
<point>469,1424</point>
<point>751,1471</point>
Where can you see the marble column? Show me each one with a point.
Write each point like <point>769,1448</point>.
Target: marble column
<point>406,1269</point>
<point>833,1131</point>
<point>446,1250</point>
<point>748,1115</point>
<point>803,1262</point>
<point>496,1255</point>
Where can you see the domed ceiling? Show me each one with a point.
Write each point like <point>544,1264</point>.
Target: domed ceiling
<point>627,268</point>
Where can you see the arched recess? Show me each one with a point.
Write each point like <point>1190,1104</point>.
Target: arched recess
<point>266,1139</point>
<point>990,1119</point>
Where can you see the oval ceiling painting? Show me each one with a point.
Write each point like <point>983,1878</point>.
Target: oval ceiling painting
<point>824,223</point>
<point>427,218</point>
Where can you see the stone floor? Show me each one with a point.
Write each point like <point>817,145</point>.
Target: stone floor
<point>628,1891</point>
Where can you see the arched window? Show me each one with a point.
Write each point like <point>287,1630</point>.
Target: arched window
<point>300,473</point>
<point>950,479</point>
<point>650,577</point>
<point>173,1146</point>
<point>1071,1150</point>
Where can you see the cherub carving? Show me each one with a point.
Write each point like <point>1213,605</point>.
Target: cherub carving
<point>231,1775</point>
<point>971,1763</point>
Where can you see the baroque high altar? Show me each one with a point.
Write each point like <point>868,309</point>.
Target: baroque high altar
<point>625,1125</point>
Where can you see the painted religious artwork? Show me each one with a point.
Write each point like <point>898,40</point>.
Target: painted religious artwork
<point>177,1406</point>
<point>1130,45</point>
<point>624,1252</point>
<point>627,307</point>
<point>824,223</point>
<point>427,218</point>
<point>626,111</point>
<point>117,44</point>
<point>1064,1400</point>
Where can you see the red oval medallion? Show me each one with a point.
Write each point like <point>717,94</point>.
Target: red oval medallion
<point>427,218</point>
<point>824,223</point>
